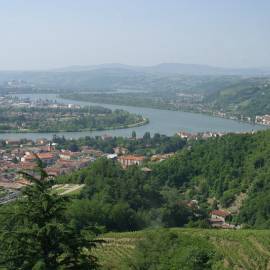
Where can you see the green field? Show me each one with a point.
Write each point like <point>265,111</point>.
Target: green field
<point>242,249</point>
<point>67,189</point>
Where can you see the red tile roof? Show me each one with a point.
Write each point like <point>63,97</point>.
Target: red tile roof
<point>27,165</point>
<point>221,213</point>
<point>131,157</point>
<point>40,155</point>
<point>45,155</point>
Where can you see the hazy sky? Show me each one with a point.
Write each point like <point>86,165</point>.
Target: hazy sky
<point>37,34</point>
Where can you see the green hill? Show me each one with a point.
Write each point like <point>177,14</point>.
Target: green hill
<point>242,249</point>
<point>249,97</point>
<point>233,169</point>
<point>230,172</point>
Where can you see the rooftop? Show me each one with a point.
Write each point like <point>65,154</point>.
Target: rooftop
<point>131,157</point>
<point>221,213</point>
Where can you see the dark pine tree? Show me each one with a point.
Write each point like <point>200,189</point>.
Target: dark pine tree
<point>35,233</point>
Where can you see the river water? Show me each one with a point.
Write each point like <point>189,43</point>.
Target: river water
<point>161,121</point>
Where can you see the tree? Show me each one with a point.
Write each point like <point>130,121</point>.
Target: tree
<point>133,135</point>
<point>35,233</point>
<point>215,204</point>
<point>175,212</point>
<point>165,250</point>
<point>146,137</point>
<point>73,147</point>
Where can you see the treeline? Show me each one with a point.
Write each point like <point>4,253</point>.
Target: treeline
<point>146,145</point>
<point>159,99</point>
<point>148,100</point>
<point>64,119</point>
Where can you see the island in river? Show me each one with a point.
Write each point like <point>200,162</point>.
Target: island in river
<point>165,122</point>
<point>22,116</point>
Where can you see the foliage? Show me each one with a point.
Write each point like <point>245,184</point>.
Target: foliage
<point>35,233</point>
<point>232,249</point>
<point>224,168</point>
<point>124,200</point>
<point>64,119</point>
<point>248,97</point>
<point>165,250</point>
<point>147,145</point>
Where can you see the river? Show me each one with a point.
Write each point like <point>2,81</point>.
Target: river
<point>161,121</point>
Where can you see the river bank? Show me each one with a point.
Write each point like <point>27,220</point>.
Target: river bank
<point>160,121</point>
<point>142,123</point>
<point>213,113</point>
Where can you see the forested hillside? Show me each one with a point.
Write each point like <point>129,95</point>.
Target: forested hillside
<point>225,168</point>
<point>225,172</point>
<point>249,97</point>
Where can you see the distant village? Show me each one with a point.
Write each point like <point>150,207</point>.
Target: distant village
<point>21,155</point>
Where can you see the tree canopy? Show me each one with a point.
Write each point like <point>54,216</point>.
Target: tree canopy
<point>36,234</point>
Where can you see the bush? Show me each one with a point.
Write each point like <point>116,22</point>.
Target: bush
<point>165,250</point>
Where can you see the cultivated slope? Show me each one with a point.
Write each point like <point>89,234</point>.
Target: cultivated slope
<point>241,249</point>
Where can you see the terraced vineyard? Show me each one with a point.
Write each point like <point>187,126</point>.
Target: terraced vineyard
<point>113,252</point>
<point>242,249</point>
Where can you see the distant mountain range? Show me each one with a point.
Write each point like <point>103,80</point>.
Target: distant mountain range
<point>162,77</point>
<point>172,68</point>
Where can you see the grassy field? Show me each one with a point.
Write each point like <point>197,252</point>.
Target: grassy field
<point>67,189</point>
<point>241,249</point>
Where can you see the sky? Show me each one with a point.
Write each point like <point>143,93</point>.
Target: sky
<point>38,34</point>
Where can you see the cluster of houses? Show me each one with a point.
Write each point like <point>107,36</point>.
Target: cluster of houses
<point>199,135</point>
<point>21,155</point>
<point>220,219</point>
<point>129,160</point>
<point>263,120</point>
<point>126,160</point>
